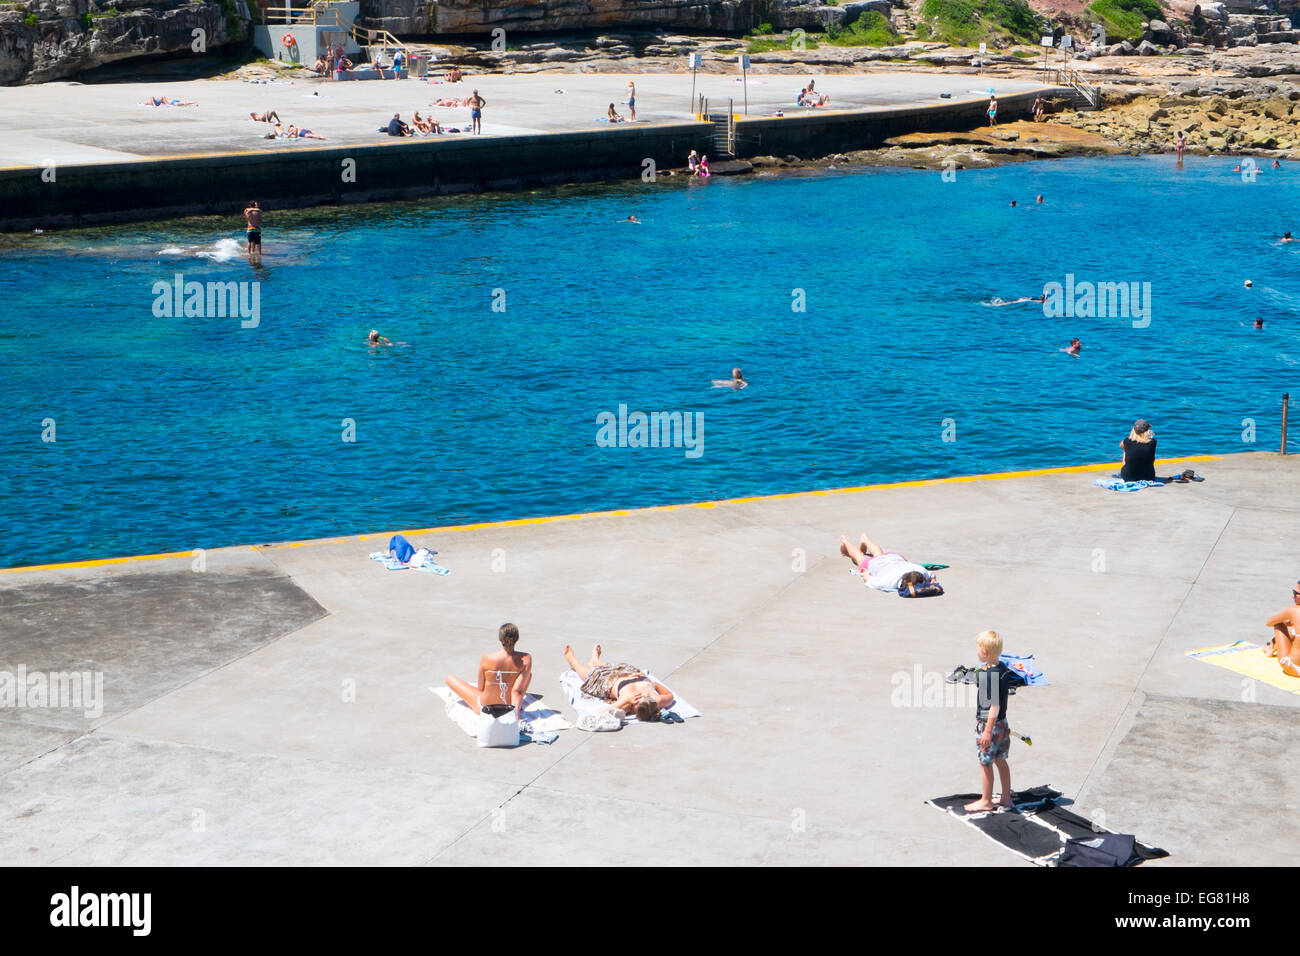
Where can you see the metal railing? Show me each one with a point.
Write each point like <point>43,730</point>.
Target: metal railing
<point>325,15</point>
<point>1074,79</point>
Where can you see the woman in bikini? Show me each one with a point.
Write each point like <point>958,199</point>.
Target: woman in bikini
<point>627,688</point>
<point>1285,624</point>
<point>503,678</point>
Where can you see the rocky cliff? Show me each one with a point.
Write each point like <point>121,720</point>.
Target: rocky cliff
<point>472,17</point>
<point>55,39</point>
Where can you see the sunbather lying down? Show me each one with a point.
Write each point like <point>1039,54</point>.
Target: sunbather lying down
<point>627,688</point>
<point>887,571</point>
<point>165,100</point>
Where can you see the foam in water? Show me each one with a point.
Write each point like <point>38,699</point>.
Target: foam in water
<point>223,250</point>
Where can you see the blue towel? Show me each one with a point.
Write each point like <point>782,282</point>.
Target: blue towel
<point>1119,484</point>
<point>400,548</point>
<point>539,737</point>
<point>1023,664</point>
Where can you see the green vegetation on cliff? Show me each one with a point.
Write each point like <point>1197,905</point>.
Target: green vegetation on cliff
<point>870,29</point>
<point>1123,19</point>
<point>970,22</point>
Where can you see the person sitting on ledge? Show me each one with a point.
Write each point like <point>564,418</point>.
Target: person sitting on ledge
<point>625,687</point>
<point>342,64</point>
<point>454,75</point>
<point>396,127</point>
<point>503,678</point>
<point>888,571</point>
<point>1139,463</point>
<point>1283,646</point>
<point>614,116</point>
<point>321,64</point>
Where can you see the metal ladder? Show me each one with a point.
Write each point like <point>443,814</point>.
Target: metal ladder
<point>723,136</point>
<point>1083,95</point>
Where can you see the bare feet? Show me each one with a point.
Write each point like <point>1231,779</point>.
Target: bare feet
<point>978,805</point>
<point>568,656</point>
<point>844,546</point>
<point>595,655</point>
<point>1006,802</point>
<point>1269,649</point>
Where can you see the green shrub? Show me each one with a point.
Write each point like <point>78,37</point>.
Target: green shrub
<point>870,29</point>
<point>768,44</point>
<point>1123,19</point>
<point>29,20</point>
<point>970,22</point>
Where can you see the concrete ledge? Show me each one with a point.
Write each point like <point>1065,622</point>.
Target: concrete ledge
<point>221,182</point>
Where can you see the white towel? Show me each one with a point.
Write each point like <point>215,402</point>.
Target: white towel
<point>585,704</point>
<point>540,717</point>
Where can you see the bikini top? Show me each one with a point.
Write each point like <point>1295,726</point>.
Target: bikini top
<point>499,678</point>
<point>624,683</point>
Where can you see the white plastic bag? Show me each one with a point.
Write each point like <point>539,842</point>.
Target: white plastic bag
<point>500,731</point>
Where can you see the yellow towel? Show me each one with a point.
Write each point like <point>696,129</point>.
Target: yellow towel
<point>1246,658</point>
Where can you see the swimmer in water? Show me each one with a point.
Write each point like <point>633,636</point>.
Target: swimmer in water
<point>737,380</point>
<point>1276,164</point>
<point>632,219</point>
<point>1286,237</point>
<point>374,339</point>
<point>253,231</point>
<point>1179,145</point>
<point>1013,204</point>
<point>1259,323</point>
<point>1075,347</point>
<point>1039,200</point>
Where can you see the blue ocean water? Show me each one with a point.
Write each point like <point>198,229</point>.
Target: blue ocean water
<point>177,433</point>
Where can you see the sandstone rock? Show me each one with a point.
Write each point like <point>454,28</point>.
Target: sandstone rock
<point>1147,48</point>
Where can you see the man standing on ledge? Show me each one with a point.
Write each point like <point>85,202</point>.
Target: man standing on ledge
<point>253,221</point>
<point>476,104</point>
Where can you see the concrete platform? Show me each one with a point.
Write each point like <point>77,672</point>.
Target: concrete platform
<point>69,123</point>
<point>227,735</point>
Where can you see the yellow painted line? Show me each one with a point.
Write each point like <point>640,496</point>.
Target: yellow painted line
<point>549,519</point>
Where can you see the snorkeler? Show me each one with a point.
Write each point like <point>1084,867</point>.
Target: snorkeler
<point>737,380</point>
<point>374,338</point>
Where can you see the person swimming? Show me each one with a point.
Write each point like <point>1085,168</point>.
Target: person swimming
<point>1259,323</point>
<point>632,219</point>
<point>1286,237</point>
<point>737,380</point>
<point>374,339</point>
<point>1075,347</point>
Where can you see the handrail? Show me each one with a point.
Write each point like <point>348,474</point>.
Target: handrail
<point>1085,89</point>
<point>319,14</point>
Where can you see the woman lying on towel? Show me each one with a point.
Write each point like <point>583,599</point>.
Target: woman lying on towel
<point>887,571</point>
<point>1285,624</point>
<point>626,687</point>
<point>503,678</point>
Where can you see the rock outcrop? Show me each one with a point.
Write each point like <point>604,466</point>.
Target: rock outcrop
<point>49,40</point>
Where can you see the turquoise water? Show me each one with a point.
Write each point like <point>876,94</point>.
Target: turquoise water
<point>179,433</point>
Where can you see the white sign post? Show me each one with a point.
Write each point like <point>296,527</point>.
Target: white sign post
<point>744,72</point>
<point>695,60</point>
<point>983,49</point>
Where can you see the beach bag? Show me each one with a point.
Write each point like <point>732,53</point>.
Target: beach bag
<point>400,548</point>
<point>500,731</point>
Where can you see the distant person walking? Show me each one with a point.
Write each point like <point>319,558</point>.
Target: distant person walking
<point>476,104</point>
<point>993,110</point>
<point>631,101</point>
<point>253,230</point>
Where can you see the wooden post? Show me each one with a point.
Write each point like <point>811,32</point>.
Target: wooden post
<point>1286,402</point>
